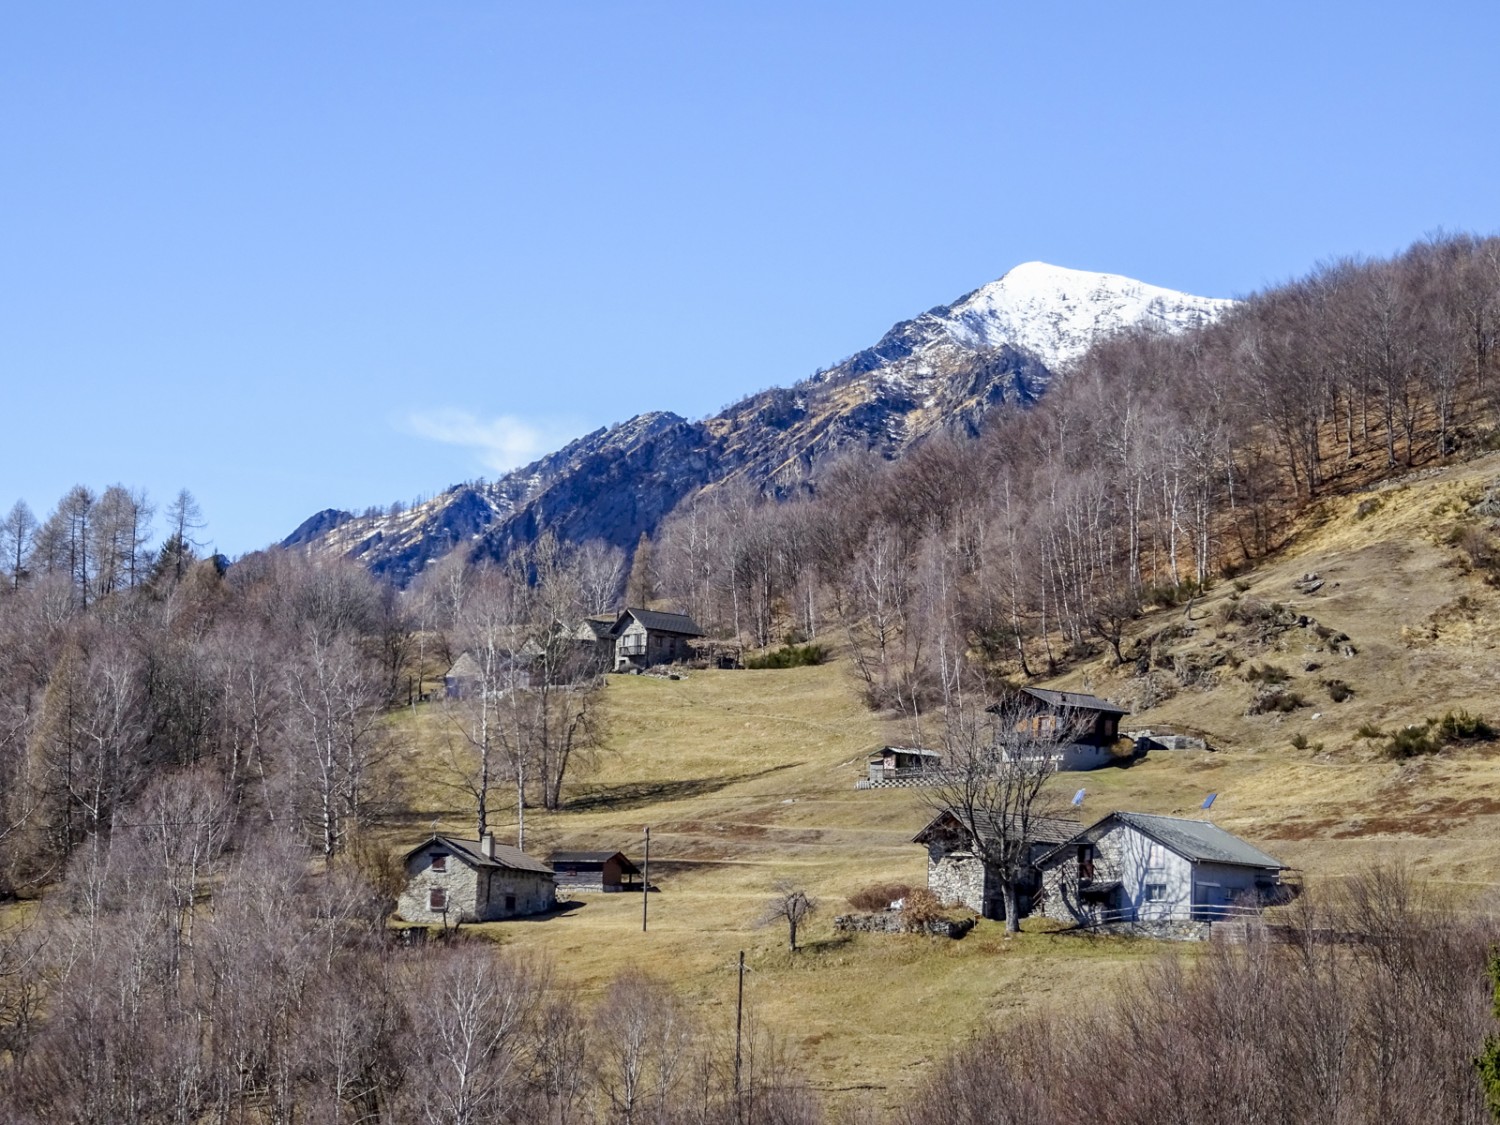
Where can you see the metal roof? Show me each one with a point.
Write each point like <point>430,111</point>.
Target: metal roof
<point>905,750</point>
<point>1075,699</point>
<point>469,851</point>
<point>660,622</point>
<point>1198,839</point>
<point>1195,840</point>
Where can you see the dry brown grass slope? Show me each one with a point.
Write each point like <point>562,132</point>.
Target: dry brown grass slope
<point>747,778</point>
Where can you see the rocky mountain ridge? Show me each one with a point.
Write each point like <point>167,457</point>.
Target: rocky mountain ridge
<point>948,367</point>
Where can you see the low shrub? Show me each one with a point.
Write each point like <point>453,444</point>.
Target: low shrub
<point>1431,736</point>
<point>1174,593</point>
<point>1266,674</point>
<point>1275,700</point>
<point>1460,726</point>
<point>1338,690</point>
<point>789,656</point>
<point>921,907</point>
<point>1412,742</point>
<point>1369,730</point>
<point>879,896</point>
<point>1299,741</point>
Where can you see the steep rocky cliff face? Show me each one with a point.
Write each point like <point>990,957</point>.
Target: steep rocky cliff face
<point>945,368</point>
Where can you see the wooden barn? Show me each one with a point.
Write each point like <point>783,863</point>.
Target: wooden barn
<point>452,880</point>
<point>600,872</point>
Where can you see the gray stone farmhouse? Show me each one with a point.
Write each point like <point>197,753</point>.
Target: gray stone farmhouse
<point>1136,867</point>
<point>451,880</point>
<point>956,873</point>
<point>647,637</point>
<point>594,872</point>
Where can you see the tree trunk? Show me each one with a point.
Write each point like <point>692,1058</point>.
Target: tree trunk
<point>1012,909</point>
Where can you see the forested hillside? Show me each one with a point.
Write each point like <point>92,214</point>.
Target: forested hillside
<point>1158,465</point>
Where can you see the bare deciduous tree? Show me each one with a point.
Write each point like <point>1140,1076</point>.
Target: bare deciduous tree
<point>792,906</point>
<point>996,765</point>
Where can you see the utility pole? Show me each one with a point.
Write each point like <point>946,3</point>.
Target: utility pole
<point>739,1015</point>
<point>646,880</point>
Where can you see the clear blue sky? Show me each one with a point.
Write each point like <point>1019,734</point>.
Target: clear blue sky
<point>296,255</point>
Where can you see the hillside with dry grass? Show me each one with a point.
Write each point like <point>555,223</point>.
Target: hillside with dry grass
<point>747,778</point>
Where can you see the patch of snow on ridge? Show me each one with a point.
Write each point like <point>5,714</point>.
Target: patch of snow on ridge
<point>1058,313</point>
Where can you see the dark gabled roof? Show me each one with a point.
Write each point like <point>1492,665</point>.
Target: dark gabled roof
<point>469,852</point>
<point>590,859</point>
<point>599,626</point>
<point>1044,829</point>
<point>1195,840</point>
<point>657,622</point>
<point>1075,700</point>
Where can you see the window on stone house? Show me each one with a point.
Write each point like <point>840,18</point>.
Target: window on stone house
<point>1156,856</point>
<point>510,904</point>
<point>1156,892</point>
<point>437,899</point>
<point>440,862</point>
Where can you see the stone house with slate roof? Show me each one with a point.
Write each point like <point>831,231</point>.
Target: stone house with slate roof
<point>1083,728</point>
<point>596,872</point>
<point>1137,867</point>
<point>647,637</point>
<point>453,880</point>
<point>955,873</point>
<point>463,679</point>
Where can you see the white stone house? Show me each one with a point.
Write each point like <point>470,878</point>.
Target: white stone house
<point>451,880</point>
<point>957,874</point>
<point>1137,867</point>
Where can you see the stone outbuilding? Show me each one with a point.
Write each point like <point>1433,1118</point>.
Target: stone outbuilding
<point>596,872</point>
<point>452,880</point>
<point>957,874</point>
<point>1137,867</point>
<point>463,679</point>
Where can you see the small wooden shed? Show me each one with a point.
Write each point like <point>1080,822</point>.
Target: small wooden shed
<point>892,762</point>
<point>594,872</point>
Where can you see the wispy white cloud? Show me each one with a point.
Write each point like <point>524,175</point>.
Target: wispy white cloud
<point>503,441</point>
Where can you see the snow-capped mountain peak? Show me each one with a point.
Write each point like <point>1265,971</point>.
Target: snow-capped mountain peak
<point>1056,313</point>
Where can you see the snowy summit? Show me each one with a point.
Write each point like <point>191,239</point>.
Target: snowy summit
<point>1056,313</point>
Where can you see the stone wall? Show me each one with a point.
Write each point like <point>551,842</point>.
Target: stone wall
<point>534,893</point>
<point>1061,880</point>
<point>460,881</point>
<point>894,922</point>
<point>956,877</point>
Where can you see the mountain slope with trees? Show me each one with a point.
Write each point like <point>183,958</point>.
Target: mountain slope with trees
<point>947,369</point>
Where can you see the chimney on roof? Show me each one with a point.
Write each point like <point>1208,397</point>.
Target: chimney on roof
<point>487,845</point>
